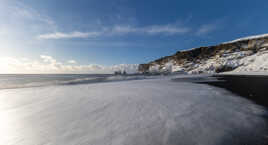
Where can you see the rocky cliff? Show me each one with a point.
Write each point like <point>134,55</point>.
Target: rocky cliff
<point>245,54</point>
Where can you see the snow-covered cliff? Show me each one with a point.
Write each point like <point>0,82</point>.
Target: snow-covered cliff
<point>248,54</point>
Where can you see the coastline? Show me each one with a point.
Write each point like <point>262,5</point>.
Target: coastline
<point>252,87</point>
<point>148,111</point>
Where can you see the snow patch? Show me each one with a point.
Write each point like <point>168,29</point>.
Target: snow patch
<point>247,38</point>
<point>255,62</point>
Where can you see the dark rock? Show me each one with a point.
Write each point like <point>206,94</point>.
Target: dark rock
<point>200,54</point>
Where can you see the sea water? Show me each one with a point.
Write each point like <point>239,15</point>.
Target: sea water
<point>12,81</point>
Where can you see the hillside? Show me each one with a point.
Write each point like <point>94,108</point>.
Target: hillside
<point>242,55</point>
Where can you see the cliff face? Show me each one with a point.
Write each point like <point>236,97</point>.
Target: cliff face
<point>212,59</point>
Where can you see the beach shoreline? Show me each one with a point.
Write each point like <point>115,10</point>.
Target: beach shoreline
<point>252,87</point>
<point>148,111</point>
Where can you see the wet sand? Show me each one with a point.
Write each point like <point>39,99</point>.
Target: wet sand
<point>253,87</point>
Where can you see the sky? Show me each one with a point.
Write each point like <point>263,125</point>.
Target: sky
<point>100,36</point>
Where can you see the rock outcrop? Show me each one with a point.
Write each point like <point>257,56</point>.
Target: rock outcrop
<point>213,59</point>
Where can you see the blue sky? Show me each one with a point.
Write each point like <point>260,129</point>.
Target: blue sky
<point>110,32</point>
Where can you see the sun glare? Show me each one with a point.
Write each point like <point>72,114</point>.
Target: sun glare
<point>5,66</point>
<point>7,126</point>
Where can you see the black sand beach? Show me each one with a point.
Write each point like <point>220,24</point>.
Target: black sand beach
<point>147,111</point>
<point>253,87</point>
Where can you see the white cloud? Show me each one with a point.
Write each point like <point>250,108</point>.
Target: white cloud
<point>120,30</point>
<point>48,59</point>
<point>123,29</point>
<point>205,29</point>
<point>48,64</point>
<point>23,11</point>
<point>166,29</point>
<point>154,29</point>
<point>72,61</point>
<point>76,34</point>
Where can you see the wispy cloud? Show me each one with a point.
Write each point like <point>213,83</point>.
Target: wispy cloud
<point>48,64</point>
<point>21,24</point>
<point>205,29</point>
<point>120,30</point>
<point>153,29</point>
<point>48,59</point>
<point>72,61</point>
<point>166,29</point>
<point>76,34</point>
<point>123,29</point>
<point>23,11</point>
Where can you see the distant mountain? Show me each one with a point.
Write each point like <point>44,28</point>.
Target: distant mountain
<point>242,55</point>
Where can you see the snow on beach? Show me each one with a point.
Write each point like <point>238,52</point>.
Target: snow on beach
<point>151,112</point>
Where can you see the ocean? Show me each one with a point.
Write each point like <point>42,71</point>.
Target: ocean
<point>12,81</point>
